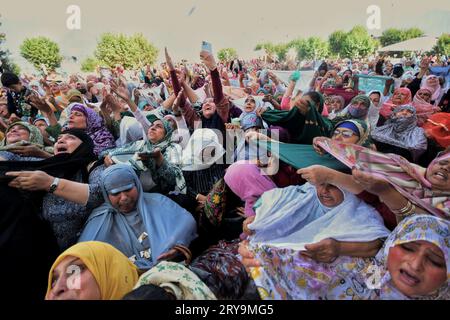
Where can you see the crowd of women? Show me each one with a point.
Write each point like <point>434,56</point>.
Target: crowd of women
<point>221,181</point>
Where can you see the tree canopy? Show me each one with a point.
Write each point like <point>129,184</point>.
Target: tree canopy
<point>41,51</point>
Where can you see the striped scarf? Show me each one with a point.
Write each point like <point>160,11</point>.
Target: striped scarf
<point>407,178</point>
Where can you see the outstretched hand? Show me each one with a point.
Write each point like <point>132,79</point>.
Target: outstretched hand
<point>120,90</point>
<point>325,251</point>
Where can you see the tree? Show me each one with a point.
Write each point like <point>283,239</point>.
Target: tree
<point>268,47</point>
<point>89,64</point>
<point>41,51</point>
<point>336,41</point>
<point>312,48</point>
<point>130,52</point>
<point>358,43</point>
<point>7,64</point>
<point>443,45</point>
<point>392,35</point>
<point>412,33</point>
<point>281,50</point>
<point>227,54</point>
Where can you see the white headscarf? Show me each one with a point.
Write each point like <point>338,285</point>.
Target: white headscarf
<point>294,216</point>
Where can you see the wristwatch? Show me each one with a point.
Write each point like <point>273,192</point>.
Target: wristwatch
<point>54,185</point>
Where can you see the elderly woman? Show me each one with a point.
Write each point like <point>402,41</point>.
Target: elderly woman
<point>401,135</point>
<point>156,159</point>
<point>71,181</point>
<point>423,106</point>
<point>336,105</point>
<point>247,181</point>
<point>325,215</point>
<point>400,97</point>
<point>80,117</point>
<point>103,272</point>
<point>36,226</point>
<point>432,82</point>
<point>413,264</point>
<point>23,142</point>
<point>403,186</point>
<point>131,220</point>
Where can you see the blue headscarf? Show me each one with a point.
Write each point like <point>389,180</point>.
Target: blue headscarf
<point>165,222</point>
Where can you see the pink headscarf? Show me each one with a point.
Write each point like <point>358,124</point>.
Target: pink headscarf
<point>247,182</point>
<point>435,90</point>
<point>389,106</point>
<point>423,109</point>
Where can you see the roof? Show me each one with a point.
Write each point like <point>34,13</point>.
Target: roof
<point>417,44</point>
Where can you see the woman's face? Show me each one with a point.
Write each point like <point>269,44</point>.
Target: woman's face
<point>404,113</point>
<point>66,143</point>
<point>72,280</point>
<point>424,95</point>
<point>54,88</point>
<point>41,125</point>
<point>329,195</point>
<point>345,135</point>
<point>438,175</point>
<point>336,105</point>
<point>250,104</point>
<point>375,98</point>
<point>64,88</point>
<point>17,133</point>
<point>433,81</point>
<point>417,268</point>
<point>94,90</point>
<point>77,120</point>
<point>125,201</point>
<point>156,132</point>
<point>398,97</point>
<point>208,108</point>
<point>389,66</point>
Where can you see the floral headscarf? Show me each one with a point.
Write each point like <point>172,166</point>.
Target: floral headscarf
<point>95,128</point>
<point>285,274</point>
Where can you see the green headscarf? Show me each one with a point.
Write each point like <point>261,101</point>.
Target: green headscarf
<point>35,135</point>
<point>302,128</point>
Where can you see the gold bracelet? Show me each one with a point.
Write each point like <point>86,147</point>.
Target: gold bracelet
<point>407,210</point>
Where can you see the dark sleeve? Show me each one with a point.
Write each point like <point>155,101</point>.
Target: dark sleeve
<point>176,86</point>
<point>414,86</point>
<point>217,86</point>
<point>11,105</point>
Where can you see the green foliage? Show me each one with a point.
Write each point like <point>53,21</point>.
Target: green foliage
<point>41,50</point>
<point>227,54</point>
<point>279,50</point>
<point>443,45</point>
<point>335,42</point>
<point>312,48</point>
<point>89,64</point>
<point>7,64</point>
<point>358,43</point>
<point>130,52</point>
<point>392,35</point>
